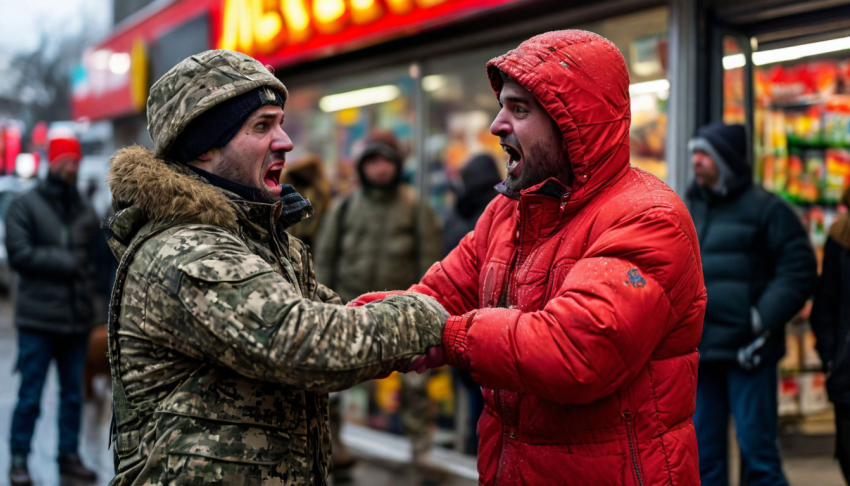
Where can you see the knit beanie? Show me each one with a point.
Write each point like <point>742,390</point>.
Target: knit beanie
<point>63,146</point>
<point>217,126</point>
<point>726,142</point>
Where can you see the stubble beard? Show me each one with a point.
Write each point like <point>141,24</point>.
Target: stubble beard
<point>243,174</point>
<point>539,163</point>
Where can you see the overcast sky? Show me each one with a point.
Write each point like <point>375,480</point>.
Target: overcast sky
<point>22,22</point>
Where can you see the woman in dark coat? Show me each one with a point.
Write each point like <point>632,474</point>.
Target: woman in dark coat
<point>830,321</point>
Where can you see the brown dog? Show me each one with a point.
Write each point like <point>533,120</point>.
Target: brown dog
<point>97,360</point>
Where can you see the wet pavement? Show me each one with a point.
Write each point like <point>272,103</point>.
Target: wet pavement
<point>371,470</point>
<point>42,460</point>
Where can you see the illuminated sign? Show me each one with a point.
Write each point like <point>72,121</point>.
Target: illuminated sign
<point>112,78</point>
<point>283,32</point>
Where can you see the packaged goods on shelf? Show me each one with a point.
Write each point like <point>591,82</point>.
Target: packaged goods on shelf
<point>804,125</point>
<point>813,398</point>
<point>837,173</point>
<point>805,175</point>
<point>789,394</point>
<point>836,120</point>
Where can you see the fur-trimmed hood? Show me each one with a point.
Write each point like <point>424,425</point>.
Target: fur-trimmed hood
<point>147,190</point>
<point>166,192</point>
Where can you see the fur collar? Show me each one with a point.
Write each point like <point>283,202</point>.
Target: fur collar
<point>166,192</point>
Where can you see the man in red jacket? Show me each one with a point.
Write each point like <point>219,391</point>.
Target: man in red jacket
<point>578,298</point>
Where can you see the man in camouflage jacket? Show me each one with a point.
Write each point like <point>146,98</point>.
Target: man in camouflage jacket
<point>223,347</point>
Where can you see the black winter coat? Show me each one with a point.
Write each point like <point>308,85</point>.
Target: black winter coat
<point>479,176</point>
<point>831,320</point>
<point>49,231</point>
<point>755,254</point>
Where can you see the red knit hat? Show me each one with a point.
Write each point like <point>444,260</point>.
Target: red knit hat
<point>63,146</point>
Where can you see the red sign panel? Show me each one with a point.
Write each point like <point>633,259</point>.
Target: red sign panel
<point>111,81</point>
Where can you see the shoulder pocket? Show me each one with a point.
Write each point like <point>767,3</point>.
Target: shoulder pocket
<point>226,267</point>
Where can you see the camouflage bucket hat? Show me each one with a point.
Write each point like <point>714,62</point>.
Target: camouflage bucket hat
<point>197,84</point>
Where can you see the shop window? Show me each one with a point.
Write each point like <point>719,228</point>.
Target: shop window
<point>332,119</point>
<point>803,128</point>
<point>802,153</point>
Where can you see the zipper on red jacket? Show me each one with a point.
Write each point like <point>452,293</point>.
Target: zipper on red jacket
<point>564,199</point>
<point>633,446</point>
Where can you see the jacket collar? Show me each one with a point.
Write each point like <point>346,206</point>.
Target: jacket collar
<point>161,192</point>
<point>540,207</point>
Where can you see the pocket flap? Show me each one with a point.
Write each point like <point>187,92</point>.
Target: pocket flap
<point>226,267</point>
<point>233,443</point>
<point>126,443</point>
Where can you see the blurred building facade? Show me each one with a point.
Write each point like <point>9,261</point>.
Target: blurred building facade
<point>416,67</point>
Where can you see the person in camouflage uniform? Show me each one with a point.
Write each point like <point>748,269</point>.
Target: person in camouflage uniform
<point>380,237</point>
<point>223,346</point>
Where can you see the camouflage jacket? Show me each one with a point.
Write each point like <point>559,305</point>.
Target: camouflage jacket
<point>222,345</point>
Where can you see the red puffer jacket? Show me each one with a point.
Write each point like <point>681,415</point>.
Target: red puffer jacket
<point>590,373</point>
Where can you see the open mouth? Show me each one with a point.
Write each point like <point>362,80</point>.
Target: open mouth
<point>514,156</point>
<point>272,176</point>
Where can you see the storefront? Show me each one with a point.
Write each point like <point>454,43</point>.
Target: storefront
<point>784,70</point>
<point>414,67</point>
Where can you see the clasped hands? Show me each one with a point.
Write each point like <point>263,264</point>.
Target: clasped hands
<point>433,358</point>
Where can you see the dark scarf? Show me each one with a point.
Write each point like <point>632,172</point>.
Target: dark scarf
<point>294,206</point>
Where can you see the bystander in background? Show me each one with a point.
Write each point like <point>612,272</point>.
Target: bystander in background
<point>759,270</point>
<point>830,322</point>
<point>378,238</point>
<point>48,235</point>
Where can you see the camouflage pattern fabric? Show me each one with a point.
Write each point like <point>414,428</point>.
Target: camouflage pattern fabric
<point>223,345</point>
<point>197,84</point>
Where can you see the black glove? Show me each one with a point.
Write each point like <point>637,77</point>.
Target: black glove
<point>749,356</point>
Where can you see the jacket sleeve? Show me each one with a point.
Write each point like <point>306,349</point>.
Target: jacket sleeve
<point>232,308</point>
<point>827,303</point>
<point>794,267</point>
<point>28,258</point>
<point>327,296</point>
<point>604,322</point>
<point>430,239</point>
<point>325,257</point>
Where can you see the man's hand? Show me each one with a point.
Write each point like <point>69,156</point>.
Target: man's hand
<point>432,359</point>
<point>373,297</point>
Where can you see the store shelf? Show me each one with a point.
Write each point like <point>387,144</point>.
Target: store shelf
<point>805,204</point>
<point>798,104</point>
<point>794,141</point>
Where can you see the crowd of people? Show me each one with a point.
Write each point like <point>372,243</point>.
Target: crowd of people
<point>605,329</point>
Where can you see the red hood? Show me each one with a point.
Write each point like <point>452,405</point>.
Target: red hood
<point>581,80</point>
